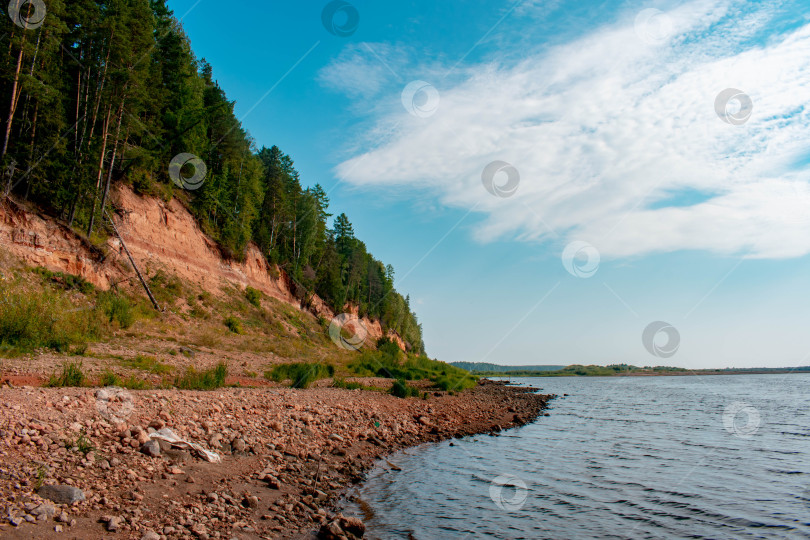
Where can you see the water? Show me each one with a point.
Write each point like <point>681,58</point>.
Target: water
<point>636,457</point>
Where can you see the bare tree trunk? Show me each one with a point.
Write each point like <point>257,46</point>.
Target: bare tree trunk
<point>15,94</point>
<point>100,170</point>
<point>112,159</point>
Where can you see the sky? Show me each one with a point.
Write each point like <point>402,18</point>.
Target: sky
<point>554,182</point>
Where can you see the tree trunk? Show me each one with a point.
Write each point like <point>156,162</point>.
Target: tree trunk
<point>112,159</point>
<point>100,171</point>
<point>13,107</point>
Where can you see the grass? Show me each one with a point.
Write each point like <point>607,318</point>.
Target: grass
<point>147,363</point>
<point>210,379</point>
<point>300,374</point>
<point>71,375</point>
<point>51,315</point>
<point>253,296</point>
<point>391,362</point>
<point>108,378</point>
<point>401,389</point>
<point>340,382</point>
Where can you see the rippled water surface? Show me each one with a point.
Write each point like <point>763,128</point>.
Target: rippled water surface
<point>635,457</point>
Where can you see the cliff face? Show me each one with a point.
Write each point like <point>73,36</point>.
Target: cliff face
<point>159,235</point>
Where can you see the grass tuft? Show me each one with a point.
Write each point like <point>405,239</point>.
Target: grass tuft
<point>71,375</point>
<point>300,374</point>
<point>210,379</point>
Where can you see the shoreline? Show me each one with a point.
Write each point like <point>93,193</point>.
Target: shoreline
<point>288,456</point>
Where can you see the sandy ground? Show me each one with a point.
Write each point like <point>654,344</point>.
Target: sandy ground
<point>286,456</point>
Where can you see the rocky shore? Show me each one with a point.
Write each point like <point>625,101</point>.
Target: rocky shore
<point>86,463</point>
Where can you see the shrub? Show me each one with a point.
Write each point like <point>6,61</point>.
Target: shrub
<point>300,374</point>
<point>210,379</point>
<point>401,389</point>
<point>108,378</point>
<point>29,320</point>
<point>233,324</point>
<point>117,309</point>
<point>390,362</point>
<point>71,375</point>
<point>253,296</point>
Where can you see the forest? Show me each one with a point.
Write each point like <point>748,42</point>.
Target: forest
<point>99,92</point>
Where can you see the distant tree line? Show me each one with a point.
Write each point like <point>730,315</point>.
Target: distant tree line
<point>106,91</point>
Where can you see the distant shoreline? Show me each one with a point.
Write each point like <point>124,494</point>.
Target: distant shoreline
<point>693,372</point>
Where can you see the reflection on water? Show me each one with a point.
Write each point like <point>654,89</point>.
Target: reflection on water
<point>635,457</point>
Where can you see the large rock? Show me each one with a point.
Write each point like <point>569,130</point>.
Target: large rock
<point>151,448</point>
<point>61,494</point>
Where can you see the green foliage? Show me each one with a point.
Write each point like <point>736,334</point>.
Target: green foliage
<point>233,324</point>
<point>210,379</point>
<point>116,308</point>
<point>253,296</point>
<point>66,281</point>
<point>340,382</point>
<point>47,318</point>
<point>71,375</point>
<point>401,389</point>
<point>300,374</point>
<point>108,378</point>
<point>81,444</point>
<point>147,363</point>
<point>391,362</point>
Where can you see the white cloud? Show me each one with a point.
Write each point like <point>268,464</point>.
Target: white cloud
<point>362,70</point>
<point>606,129</point>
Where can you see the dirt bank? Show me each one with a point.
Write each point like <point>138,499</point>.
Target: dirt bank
<point>286,455</point>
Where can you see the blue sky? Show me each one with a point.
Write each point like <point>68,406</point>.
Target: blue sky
<point>679,204</point>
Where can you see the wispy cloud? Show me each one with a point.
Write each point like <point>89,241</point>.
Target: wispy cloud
<point>612,135</point>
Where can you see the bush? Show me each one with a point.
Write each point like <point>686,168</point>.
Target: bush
<point>300,374</point>
<point>390,362</point>
<point>30,320</point>
<point>71,375</point>
<point>203,380</point>
<point>233,324</point>
<point>108,378</point>
<point>253,296</point>
<point>401,389</point>
<point>117,309</point>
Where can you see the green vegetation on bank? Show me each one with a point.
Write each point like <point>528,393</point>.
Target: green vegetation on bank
<point>60,312</point>
<point>300,374</point>
<point>108,92</point>
<point>391,362</point>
